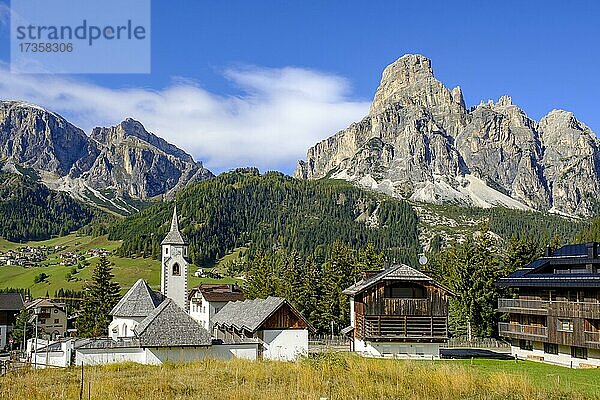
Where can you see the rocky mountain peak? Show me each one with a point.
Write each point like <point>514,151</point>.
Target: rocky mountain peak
<point>410,81</point>
<point>420,142</point>
<point>125,159</point>
<point>131,129</point>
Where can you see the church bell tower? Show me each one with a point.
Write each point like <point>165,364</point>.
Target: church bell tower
<point>174,271</point>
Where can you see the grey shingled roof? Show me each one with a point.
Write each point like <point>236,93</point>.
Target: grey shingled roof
<point>139,301</point>
<point>399,272</point>
<point>11,301</point>
<point>174,235</point>
<point>169,326</point>
<point>249,315</point>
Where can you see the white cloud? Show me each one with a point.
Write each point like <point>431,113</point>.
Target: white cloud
<point>276,116</point>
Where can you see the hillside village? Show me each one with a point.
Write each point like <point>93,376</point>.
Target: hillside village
<point>397,312</point>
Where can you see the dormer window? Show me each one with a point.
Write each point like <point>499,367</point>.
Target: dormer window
<point>176,269</point>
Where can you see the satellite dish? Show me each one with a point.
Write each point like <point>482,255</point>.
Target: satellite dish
<point>422,259</point>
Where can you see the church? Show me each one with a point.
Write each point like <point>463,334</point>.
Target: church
<point>151,327</point>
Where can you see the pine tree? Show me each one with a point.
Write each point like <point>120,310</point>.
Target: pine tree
<point>22,325</point>
<point>100,296</point>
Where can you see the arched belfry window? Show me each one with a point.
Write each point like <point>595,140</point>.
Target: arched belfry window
<point>176,269</point>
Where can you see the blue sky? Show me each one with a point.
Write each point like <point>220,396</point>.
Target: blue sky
<point>255,83</point>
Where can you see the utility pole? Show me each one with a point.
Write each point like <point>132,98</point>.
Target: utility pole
<point>25,339</point>
<point>331,330</point>
<point>37,311</point>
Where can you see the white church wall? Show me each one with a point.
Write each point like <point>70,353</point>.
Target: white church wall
<point>109,356</point>
<point>161,355</point>
<point>123,327</point>
<point>285,345</point>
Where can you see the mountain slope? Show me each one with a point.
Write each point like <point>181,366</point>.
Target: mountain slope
<point>265,212</point>
<point>113,168</point>
<point>30,211</point>
<point>420,142</point>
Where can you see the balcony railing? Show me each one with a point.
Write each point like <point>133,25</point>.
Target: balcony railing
<point>508,305</point>
<point>559,308</point>
<point>522,331</point>
<point>592,337</point>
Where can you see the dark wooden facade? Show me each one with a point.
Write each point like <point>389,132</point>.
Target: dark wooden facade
<point>559,316</point>
<point>401,311</point>
<point>558,301</point>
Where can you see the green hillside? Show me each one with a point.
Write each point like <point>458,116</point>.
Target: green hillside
<point>126,270</point>
<point>30,211</point>
<point>274,211</point>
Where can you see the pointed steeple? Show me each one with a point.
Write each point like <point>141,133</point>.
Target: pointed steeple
<point>174,235</point>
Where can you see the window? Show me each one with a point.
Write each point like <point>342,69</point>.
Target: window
<point>550,348</point>
<point>565,325</point>
<point>579,352</point>
<point>56,320</point>
<point>404,291</point>
<point>525,344</point>
<point>166,250</point>
<point>176,269</point>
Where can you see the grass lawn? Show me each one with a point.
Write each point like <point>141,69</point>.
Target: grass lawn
<point>126,270</point>
<point>329,376</point>
<point>541,375</point>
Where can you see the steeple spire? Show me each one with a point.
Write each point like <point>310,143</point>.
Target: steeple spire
<point>174,235</point>
<point>174,221</point>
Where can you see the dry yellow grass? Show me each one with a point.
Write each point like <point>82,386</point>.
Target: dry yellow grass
<point>333,376</point>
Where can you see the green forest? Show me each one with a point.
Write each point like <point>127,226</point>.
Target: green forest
<point>31,211</point>
<point>271,212</point>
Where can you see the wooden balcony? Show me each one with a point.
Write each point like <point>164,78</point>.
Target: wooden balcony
<point>519,331</point>
<point>409,307</point>
<point>519,306</point>
<point>572,309</point>
<point>405,328</point>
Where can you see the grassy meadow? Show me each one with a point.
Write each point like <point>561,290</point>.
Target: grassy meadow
<point>330,376</point>
<point>126,270</point>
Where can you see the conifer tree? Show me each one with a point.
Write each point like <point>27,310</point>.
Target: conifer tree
<point>100,296</point>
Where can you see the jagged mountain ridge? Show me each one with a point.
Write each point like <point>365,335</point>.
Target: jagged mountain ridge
<point>108,167</point>
<point>420,142</point>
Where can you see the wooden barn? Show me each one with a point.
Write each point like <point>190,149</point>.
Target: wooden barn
<point>280,329</point>
<point>398,312</point>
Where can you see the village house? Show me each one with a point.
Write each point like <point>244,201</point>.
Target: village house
<point>208,299</point>
<point>51,318</point>
<point>10,305</point>
<point>281,331</point>
<point>555,317</point>
<point>398,312</point>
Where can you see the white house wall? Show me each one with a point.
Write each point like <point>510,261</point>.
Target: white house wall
<point>397,349</point>
<point>562,358</point>
<point>4,330</point>
<point>285,345</point>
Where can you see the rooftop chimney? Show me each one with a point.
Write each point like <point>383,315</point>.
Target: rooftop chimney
<point>548,251</point>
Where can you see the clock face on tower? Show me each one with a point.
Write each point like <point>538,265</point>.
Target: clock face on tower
<point>176,252</point>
